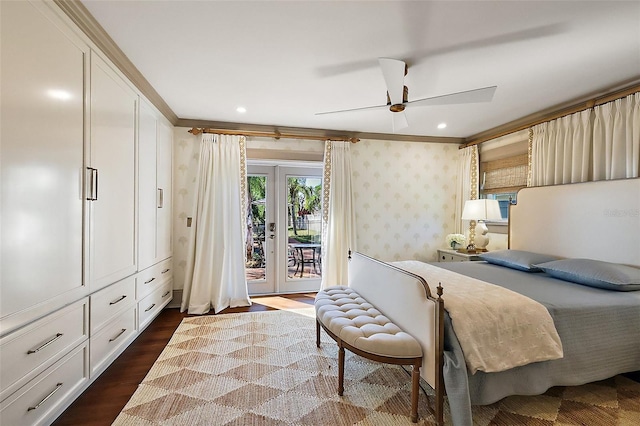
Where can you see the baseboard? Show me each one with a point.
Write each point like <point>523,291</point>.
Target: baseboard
<point>176,301</point>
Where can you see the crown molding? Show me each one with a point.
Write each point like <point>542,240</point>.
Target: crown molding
<point>81,16</point>
<point>313,133</point>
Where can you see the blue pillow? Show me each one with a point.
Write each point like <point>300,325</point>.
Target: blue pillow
<point>594,273</point>
<point>517,259</point>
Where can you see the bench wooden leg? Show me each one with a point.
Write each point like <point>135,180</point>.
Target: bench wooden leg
<point>340,370</point>
<point>415,385</point>
<point>317,332</point>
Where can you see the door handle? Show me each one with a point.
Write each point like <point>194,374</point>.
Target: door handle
<point>93,184</point>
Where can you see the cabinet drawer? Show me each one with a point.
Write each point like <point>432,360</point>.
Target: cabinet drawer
<point>107,303</point>
<point>28,351</point>
<point>153,277</point>
<point>44,397</point>
<point>149,307</point>
<point>113,337</point>
<point>451,258</point>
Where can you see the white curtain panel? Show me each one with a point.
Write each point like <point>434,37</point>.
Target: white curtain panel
<point>340,233</point>
<point>467,162</point>
<point>561,151</point>
<point>616,139</point>
<point>215,270</point>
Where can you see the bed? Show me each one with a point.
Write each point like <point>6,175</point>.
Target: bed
<point>598,327</point>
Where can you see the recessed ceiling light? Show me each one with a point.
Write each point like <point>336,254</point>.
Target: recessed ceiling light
<point>442,125</point>
<point>62,95</point>
<point>241,109</point>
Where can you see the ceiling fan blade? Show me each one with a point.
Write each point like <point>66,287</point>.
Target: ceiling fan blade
<point>467,97</point>
<point>393,72</point>
<point>351,109</point>
<point>399,121</point>
<point>418,55</point>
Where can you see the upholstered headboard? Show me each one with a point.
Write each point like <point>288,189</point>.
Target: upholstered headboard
<point>595,220</point>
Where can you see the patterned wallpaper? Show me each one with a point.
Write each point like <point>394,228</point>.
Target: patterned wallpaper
<point>186,152</point>
<point>404,195</point>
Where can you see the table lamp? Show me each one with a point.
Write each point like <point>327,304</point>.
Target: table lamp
<point>480,210</point>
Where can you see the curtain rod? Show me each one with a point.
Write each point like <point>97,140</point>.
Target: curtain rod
<point>277,135</point>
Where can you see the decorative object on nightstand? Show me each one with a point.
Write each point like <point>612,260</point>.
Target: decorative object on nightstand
<point>480,210</point>
<point>455,240</point>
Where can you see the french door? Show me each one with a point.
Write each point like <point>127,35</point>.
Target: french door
<point>284,227</point>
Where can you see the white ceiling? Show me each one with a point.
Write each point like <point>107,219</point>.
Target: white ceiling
<point>284,61</point>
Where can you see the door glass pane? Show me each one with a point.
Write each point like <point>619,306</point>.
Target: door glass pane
<point>304,227</point>
<point>256,218</point>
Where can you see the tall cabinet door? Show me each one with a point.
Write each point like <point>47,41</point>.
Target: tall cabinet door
<point>41,160</point>
<point>164,246</point>
<point>155,138</point>
<point>111,176</point>
<point>147,189</point>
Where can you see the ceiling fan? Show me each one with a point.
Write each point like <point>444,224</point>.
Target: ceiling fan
<point>394,71</point>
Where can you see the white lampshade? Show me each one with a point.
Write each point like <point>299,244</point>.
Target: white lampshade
<point>481,210</point>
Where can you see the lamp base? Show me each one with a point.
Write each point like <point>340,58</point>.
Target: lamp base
<point>482,239</point>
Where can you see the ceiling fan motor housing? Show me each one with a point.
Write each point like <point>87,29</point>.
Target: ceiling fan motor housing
<point>398,107</point>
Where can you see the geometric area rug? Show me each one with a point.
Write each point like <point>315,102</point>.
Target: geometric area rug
<point>263,368</point>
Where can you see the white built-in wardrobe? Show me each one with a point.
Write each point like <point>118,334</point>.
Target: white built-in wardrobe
<point>85,165</point>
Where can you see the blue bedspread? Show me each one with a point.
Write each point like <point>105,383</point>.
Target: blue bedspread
<point>599,329</point>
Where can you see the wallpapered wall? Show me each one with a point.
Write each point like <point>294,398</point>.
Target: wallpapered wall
<point>404,195</point>
<point>185,162</point>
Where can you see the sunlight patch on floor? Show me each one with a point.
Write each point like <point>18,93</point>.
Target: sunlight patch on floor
<point>284,304</point>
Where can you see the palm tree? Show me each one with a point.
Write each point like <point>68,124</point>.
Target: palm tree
<point>313,198</point>
<point>296,198</point>
<point>303,199</point>
<point>255,210</point>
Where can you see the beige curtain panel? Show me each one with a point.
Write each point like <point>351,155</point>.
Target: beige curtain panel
<point>598,144</point>
<point>467,184</point>
<point>616,137</point>
<point>339,233</point>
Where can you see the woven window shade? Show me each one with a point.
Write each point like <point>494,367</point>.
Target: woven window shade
<point>504,175</point>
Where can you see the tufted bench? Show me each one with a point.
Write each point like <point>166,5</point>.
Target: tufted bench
<point>357,325</point>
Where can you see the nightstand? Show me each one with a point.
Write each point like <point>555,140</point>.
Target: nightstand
<point>449,255</point>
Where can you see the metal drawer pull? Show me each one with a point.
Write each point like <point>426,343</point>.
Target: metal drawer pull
<point>150,308</point>
<point>119,300</point>
<point>166,294</point>
<point>166,270</point>
<point>44,345</point>
<point>119,334</point>
<point>148,281</point>
<point>45,398</point>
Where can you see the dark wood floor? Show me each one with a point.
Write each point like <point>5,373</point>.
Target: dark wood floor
<point>101,403</point>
